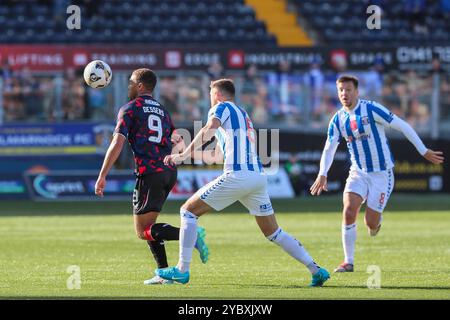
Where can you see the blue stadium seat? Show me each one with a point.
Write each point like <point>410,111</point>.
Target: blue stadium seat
<point>330,18</point>
<point>169,21</point>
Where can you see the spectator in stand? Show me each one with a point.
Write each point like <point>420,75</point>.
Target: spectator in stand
<point>97,102</point>
<point>247,102</point>
<point>415,10</point>
<point>299,179</point>
<point>216,71</point>
<point>373,80</point>
<point>436,68</point>
<point>59,9</point>
<point>48,99</point>
<point>190,98</point>
<point>259,114</point>
<point>395,94</point>
<point>249,88</point>
<point>284,86</point>
<point>314,80</point>
<point>6,74</point>
<point>327,108</point>
<point>31,92</point>
<point>445,8</point>
<point>416,84</point>
<point>168,92</point>
<point>73,96</point>
<point>15,108</point>
<point>418,115</point>
<point>440,78</point>
<point>249,85</point>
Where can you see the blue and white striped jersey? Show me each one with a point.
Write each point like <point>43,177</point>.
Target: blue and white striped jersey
<point>364,130</point>
<point>236,137</point>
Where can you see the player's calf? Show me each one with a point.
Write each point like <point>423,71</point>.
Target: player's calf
<point>373,220</point>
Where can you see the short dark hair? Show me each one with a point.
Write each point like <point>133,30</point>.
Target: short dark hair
<point>147,77</point>
<point>225,86</point>
<point>348,78</point>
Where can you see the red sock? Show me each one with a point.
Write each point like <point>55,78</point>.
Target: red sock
<point>148,233</point>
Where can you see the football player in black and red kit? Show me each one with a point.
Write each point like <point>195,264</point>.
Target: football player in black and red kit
<point>147,126</point>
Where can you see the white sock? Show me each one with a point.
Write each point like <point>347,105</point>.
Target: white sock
<point>294,248</point>
<point>188,236</point>
<point>348,242</point>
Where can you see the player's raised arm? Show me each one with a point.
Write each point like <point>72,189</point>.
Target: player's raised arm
<point>111,156</point>
<point>326,160</point>
<point>384,116</point>
<point>204,135</point>
<point>120,135</point>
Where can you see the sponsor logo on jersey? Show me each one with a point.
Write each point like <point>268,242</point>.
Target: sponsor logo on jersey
<point>362,136</point>
<point>365,120</point>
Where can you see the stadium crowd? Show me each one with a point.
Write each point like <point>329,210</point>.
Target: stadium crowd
<point>284,96</point>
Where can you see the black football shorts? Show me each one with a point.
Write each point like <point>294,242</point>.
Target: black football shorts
<point>151,191</point>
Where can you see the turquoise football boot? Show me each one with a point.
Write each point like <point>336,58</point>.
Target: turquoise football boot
<point>200,244</point>
<point>172,273</point>
<point>319,278</point>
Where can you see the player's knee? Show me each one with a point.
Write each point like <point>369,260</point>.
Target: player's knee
<point>143,234</point>
<point>350,214</point>
<point>185,207</point>
<point>371,223</point>
<point>194,207</point>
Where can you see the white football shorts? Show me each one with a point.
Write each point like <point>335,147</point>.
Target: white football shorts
<point>373,187</point>
<point>247,187</point>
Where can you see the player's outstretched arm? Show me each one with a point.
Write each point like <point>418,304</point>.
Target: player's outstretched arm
<point>111,156</point>
<point>325,163</point>
<point>327,157</point>
<point>319,185</point>
<point>204,135</point>
<point>401,125</point>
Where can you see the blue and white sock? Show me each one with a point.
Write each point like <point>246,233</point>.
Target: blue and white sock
<point>188,237</point>
<point>348,242</point>
<point>294,248</point>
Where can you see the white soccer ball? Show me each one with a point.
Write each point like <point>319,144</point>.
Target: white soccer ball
<point>97,74</point>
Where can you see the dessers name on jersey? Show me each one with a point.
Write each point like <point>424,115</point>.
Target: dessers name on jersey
<point>153,110</point>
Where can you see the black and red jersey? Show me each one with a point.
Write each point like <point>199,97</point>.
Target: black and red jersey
<point>148,127</point>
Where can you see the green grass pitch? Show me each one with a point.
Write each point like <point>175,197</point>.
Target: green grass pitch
<point>39,241</point>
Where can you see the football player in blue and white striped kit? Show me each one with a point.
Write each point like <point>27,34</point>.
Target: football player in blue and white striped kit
<point>361,123</point>
<point>243,180</point>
